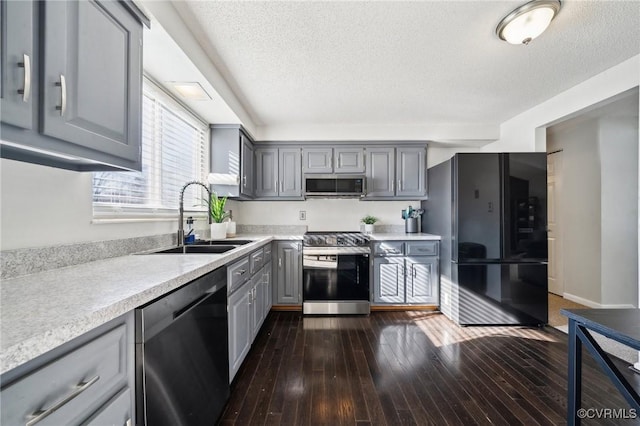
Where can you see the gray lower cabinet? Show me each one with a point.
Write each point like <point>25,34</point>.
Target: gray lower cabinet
<point>248,304</point>
<point>89,380</point>
<point>232,153</point>
<point>406,272</point>
<point>278,173</point>
<point>287,273</point>
<point>398,173</point>
<point>240,328</point>
<point>81,95</point>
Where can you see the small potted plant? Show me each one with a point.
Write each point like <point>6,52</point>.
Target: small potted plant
<point>218,215</point>
<point>368,221</point>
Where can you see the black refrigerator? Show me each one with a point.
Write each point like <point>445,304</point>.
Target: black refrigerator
<point>491,211</point>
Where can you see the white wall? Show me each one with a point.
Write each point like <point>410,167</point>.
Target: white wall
<point>581,206</point>
<point>322,214</point>
<point>43,206</point>
<point>618,140</point>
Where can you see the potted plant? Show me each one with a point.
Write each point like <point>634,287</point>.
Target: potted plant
<point>368,221</point>
<point>218,215</point>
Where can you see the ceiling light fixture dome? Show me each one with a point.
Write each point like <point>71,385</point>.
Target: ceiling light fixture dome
<point>528,21</point>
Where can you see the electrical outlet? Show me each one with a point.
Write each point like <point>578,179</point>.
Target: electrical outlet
<point>303,215</point>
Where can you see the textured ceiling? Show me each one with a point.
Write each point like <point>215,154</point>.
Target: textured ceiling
<point>433,62</point>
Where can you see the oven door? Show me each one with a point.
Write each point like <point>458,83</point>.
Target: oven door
<point>335,274</point>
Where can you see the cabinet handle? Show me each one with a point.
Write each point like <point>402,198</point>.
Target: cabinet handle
<point>281,186</point>
<point>279,262</point>
<point>275,185</point>
<point>241,271</point>
<point>40,415</point>
<point>392,186</point>
<point>63,95</point>
<point>415,273</point>
<point>26,90</point>
<point>244,181</point>
<point>128,423</point>
<point>399,184</point>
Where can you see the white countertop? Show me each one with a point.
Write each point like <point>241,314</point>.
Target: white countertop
<point>403,237</point>
<point>40,312</point>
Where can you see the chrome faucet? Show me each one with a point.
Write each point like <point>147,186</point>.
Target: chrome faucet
<point>181,220</point>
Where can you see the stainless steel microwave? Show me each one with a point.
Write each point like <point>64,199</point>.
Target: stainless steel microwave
<point>334,185</point>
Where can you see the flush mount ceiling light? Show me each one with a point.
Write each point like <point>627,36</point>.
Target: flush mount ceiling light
<point>528,21</point>
<point>190,90</point>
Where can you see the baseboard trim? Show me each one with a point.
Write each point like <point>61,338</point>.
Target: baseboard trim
<point>287,308</point>
<point>595,305</point>
<point>404,308</point>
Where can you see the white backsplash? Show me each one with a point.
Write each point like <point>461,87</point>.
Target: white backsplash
<point>322,214</point>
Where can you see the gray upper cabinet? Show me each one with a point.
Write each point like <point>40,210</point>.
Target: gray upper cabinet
<point>333,160</point>
<point>411,172</point>
<point>81,93</point>
<point>380,172</point>
<point>247,167</point>
<point>287,273</point>
<point>289,172</point>
<point>398,173</point>
<point>348,160</point>
<point>317,160</point>
<point>18,62</point>
<point>278,173</point>
<point>232,152</point>
<point>266,172</point>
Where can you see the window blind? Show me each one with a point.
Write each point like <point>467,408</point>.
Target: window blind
<point>174,152</point>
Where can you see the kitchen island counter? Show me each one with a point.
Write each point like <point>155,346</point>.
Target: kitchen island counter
<point>42,311</point>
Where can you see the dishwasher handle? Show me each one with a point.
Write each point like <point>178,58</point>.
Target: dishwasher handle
<point>177,314</point>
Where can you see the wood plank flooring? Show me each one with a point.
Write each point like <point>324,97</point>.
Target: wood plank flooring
<point>409,368</point>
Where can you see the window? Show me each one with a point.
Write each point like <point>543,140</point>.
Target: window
<point>174,152</point>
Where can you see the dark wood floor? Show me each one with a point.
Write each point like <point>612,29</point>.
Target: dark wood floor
<point>413,368</point>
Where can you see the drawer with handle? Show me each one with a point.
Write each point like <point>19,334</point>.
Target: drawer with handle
<point>267,253</point>
<point>256,260</point>
<point>238,274</point>
<point>71,388</point>
<point>422,248</point>
<point>388,248</point>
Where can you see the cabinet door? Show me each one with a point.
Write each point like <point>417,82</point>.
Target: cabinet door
<point>422,280</point>
<point>317,160</point>
<point>411,172</point>
<point>246,175</point>
<point>380,172</point>
<point>240,330</point>
<point>92,77</point>
<point>266,276</point>
<point>18,64</point>
<point>116,412</point>
<point>288,273</point>
<point>348,160</point>
<point>388,280</point>
<point>256,301</point>
<point>266,172</point>
<point>290,175</point>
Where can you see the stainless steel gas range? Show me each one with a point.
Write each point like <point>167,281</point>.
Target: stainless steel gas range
<point>335,273</point>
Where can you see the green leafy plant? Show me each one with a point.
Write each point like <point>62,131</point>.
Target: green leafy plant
<point>369,220</point>
<point>217,208</point>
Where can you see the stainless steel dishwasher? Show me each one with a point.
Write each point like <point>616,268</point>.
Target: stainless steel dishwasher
<point>182,357</point>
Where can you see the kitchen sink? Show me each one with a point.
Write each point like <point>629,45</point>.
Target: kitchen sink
<point>223,242</point>
<point>199,248</point>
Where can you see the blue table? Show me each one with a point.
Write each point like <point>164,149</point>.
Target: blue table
<point>621,325</point>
